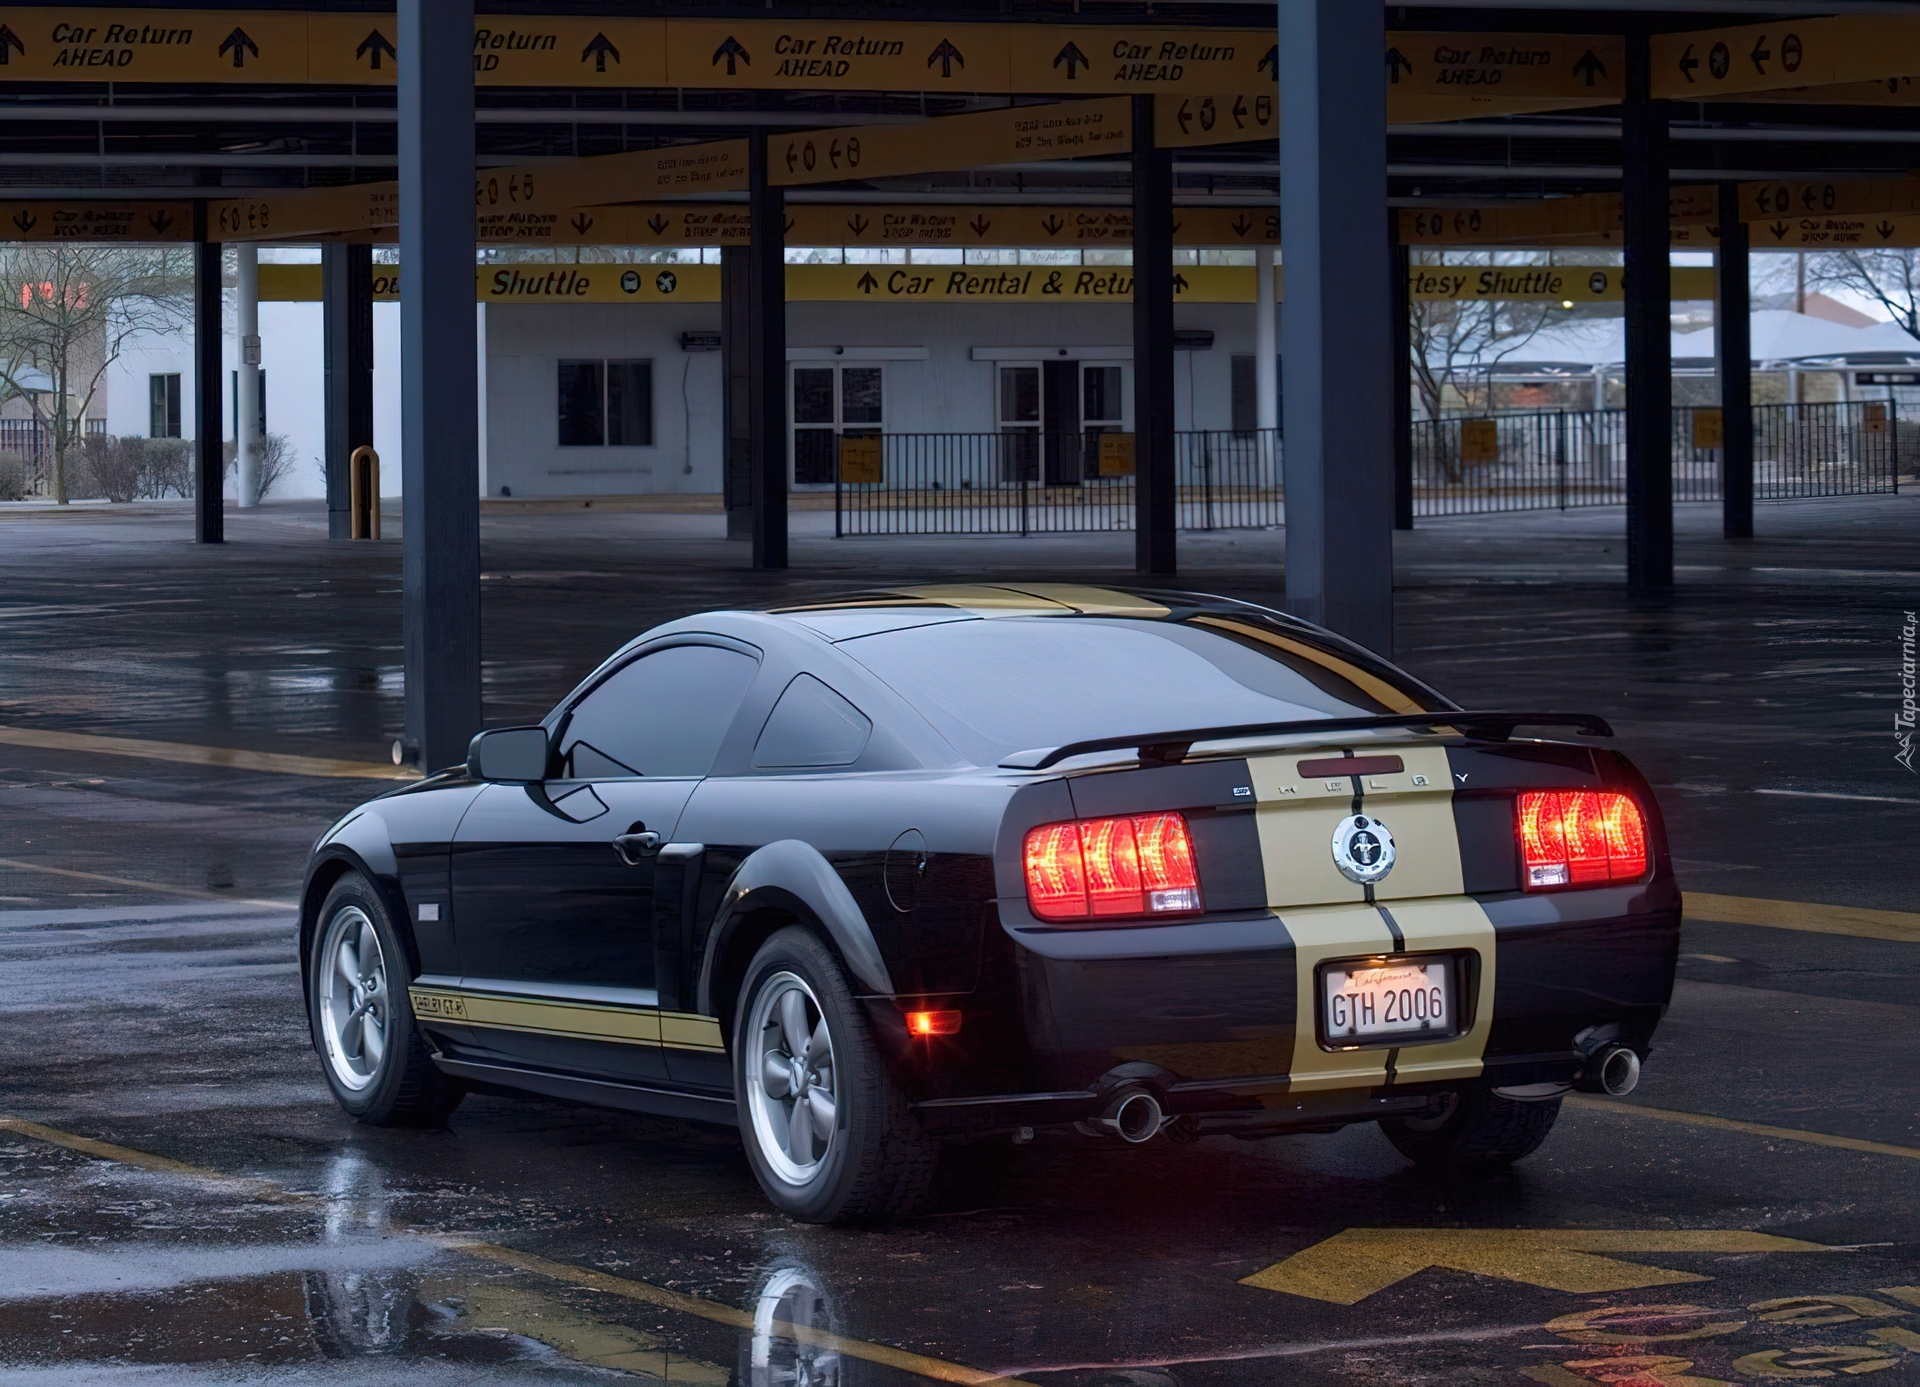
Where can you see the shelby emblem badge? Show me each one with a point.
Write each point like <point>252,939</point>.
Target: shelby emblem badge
<point>1362,849</point>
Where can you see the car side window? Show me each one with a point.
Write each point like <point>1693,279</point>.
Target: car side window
<point>811,726</point>
<point>663,715</point>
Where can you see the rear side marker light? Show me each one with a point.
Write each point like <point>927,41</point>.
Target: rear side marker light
<point>1579,838</point>
<point>1141,864</point>
<point>933,1023</point>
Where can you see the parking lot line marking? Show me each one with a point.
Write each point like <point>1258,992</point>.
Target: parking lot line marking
<point>1352,1265</point>
<point>1900,926</point>
<point>605,1282</point>
<point>189,892</point>
<point>1755,1129</point>
<point>265,1190</point>
<point>186,753</point>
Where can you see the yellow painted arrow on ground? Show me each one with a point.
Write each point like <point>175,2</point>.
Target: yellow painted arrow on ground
<point>1350,1266</point>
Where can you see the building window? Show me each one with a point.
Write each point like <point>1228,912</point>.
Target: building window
<point>1246,400</point>
<point>235,383</point>
<point>606,404</point>
<point>163,406</point>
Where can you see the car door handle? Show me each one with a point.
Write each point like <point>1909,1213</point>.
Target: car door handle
<point>636,847</point>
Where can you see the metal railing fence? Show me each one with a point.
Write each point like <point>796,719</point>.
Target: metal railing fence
<point>1023,481</point>
<point>1563,459</point>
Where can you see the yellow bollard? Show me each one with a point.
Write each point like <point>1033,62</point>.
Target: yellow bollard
<point>363,479</point>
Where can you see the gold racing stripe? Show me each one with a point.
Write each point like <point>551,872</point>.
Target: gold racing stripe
<point>575,1020</point>
<point>1328,916</point>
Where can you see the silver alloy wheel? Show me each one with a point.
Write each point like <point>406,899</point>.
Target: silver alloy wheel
<point>355,1009</point>
<point>790,1078</point>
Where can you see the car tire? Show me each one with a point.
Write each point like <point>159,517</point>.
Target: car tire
<point>832,1142</point>
<point>1480,1129</point>
<point>371,1050</point>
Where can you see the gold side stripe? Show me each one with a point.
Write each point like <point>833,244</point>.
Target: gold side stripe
<point>576,1020</point>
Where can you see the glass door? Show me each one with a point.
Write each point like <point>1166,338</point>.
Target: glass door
<point>1101,411</point>
<point>1019,410</point>
<point>829,402</point>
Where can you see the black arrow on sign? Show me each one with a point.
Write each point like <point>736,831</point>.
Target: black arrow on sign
<point>159,221</point>
<point>980,224</point>
<point>1052,224</point>
<point>26,221</point>
<point>1779,230</point>
<point>947,56</point>
<point>731,50</point>
<point>9,39</point>
<point>1179,283</point>
<point>1270,62</point>
<point>657,223</point>
<point>582,223</point>
<point>857,224</point>
<point>1073,58</point>
<point>600,49</point>
<point>1591,67</point>
<point>868,283</point>
<point>1242,224</point>
<point>372,46</point>
<point>1239,113</point>
<point>1396,64</point>
<point>1687,64</point>
<point>1760,55</point>
<point>1885,229</point>
<point>241,46</point>
<point>1185,114</point>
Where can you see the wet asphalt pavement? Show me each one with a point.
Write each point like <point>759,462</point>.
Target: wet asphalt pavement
<point>246,1231</point>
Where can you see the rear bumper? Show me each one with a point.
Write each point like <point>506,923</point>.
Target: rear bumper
<point>1209,1014</point>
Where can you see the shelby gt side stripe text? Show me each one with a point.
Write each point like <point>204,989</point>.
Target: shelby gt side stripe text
<point>618,1025</point>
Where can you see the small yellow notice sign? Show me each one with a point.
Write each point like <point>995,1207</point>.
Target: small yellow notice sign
<point>1709,429</point>
<point>1116,455</point>
<point>860,458</point>
<point>1479,440</point>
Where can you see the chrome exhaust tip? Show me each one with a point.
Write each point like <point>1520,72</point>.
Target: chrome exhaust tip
<point>1134,1116</point>
<point>1618,1070</point>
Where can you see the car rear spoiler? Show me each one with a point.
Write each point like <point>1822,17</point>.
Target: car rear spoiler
<point>1169,747</point>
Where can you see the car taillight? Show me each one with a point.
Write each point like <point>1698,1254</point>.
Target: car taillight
<point>1579,838</point>
<point>1141,864</point>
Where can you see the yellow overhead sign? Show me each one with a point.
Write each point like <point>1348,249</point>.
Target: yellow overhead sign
<point>559,284</point>
<point>1216,118</point>
<point>1453,76</point>
<point>1012,135</point>
<point>1761,202</point>
<point>1870,232</point>
<point>1069,58</point>
<point>1703,65</point>
<point>358,209</point>
<point>88,221</point>
<point>1585,219</point>
<point>837,55</point>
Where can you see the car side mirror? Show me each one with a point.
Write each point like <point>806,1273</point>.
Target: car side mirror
<point>513,755</point>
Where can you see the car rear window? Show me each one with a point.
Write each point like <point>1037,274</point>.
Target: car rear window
<point>1012,683</point>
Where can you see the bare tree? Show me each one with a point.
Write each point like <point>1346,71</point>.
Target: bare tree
<point>1451,334</point>
<point>1891,278</point>
<point>67,312</point>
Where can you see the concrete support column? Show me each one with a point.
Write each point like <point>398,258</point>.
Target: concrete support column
<point>736,432</point>
<point>1155,495</point>
<point>767,357</point>
<point>209,418</point>
<point>1399,292</point>
<point>1337,332</point>
<point>439,408</point>
<point>1647,239</point>
<point>246,331</point>
<point>1733,349</point>
<point>1266,342</point>
<point>346,294</point>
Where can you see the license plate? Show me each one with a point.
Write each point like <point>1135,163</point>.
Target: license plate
<point>1413,999</point>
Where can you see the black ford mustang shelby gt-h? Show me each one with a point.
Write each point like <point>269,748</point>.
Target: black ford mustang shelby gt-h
<point>872,875</point>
